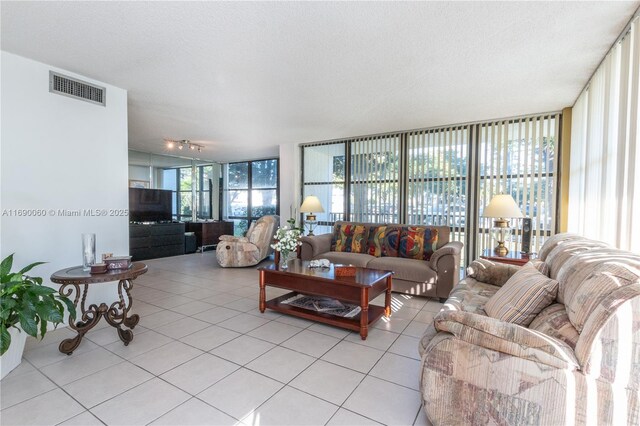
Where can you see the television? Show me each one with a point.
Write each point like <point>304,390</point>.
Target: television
<point>150,205</point>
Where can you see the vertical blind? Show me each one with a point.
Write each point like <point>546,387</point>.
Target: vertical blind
<point>441,176</point>
<point>604,185</point>
<point>517,157</point>
<point>374,182</point>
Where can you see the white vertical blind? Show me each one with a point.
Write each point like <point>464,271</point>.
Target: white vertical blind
<point>604,184</point>
<point>518,157</point>
<point>375,173</point>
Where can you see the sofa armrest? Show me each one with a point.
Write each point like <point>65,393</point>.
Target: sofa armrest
<point>231,238</point>
<point>507,338</point>
<point>238,245</point>
<point>490,272</point>
<point>446,263</point>
<point>314,246</point>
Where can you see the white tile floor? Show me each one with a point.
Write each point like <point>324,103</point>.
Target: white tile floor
<point>203,354</point>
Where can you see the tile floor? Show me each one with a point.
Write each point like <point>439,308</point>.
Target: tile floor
<point>203,354</point>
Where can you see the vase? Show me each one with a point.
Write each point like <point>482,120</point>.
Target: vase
<point>284,260</point>
<point>13,356</point>
<point>88,251</point>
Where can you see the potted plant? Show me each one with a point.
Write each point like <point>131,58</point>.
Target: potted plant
<point>26,308</point>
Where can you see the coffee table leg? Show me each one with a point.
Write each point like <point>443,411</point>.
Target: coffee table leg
<point>387,299</point>
<point>262,293</point>
<point>364,313</point>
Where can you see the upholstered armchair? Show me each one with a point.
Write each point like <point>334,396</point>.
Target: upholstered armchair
<point>233,252</point>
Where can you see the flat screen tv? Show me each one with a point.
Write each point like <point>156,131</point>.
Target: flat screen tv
<point>149,205</point>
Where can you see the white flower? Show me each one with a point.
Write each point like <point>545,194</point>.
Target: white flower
<point>287,239</point>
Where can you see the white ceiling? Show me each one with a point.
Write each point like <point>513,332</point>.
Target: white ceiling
<point>241,78</point>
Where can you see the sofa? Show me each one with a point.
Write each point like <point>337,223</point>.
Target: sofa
<point>577,362</point>
<point>424,261</point>
<point>255,246</point>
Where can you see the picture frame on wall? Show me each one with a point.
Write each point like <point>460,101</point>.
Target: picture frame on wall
<point>138,183</point>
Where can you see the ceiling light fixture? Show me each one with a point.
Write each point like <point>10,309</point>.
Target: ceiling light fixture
<point>182,144</point>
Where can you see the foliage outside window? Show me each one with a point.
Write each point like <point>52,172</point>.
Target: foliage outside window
<point>180,181</point>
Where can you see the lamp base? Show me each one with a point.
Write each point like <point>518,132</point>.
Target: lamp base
<point>501,250</point>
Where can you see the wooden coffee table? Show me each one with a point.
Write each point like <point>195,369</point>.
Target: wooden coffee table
<point>360,290</point>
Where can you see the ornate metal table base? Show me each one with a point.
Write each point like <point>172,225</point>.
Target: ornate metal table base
<point>115,314</point>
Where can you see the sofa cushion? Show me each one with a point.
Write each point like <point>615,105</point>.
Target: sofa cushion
<point>417,242</point>
<point>405,269</point>
<point>491,272</point>
<point>345,258</point>
<point>350,237</point>
<point>522,297</point>
<point>470,295</point>
<point>554,321</point>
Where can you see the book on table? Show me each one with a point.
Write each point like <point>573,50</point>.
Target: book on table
<point>327,304</point>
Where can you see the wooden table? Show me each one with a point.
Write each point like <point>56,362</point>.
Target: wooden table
<point>361,289</point>
<point>76,281</point>
<point>512,258</point>
<point>208,233</point>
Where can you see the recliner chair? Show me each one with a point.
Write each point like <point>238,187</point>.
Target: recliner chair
<point>236,252</point>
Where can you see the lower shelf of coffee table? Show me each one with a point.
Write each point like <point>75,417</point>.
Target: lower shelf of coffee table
<point>374,314</point>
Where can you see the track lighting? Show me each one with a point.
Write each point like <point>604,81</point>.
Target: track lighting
<point>182,144</point>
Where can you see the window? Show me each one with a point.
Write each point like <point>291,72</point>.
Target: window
<point>180,180</point>
<point>251,191</point>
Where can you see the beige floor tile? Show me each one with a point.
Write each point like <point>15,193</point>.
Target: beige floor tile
<point>210,337</point>
<point>164,358</point>
<point>195,413</point>
<point>221,299</point>
<point>398,369</point>
<point>243,323</point>
<point>140,405</point>
<point>367,400</point>
<point>96,388</point>
<point>242,305</point>
<point>376,338</point>
<point>83,419</point>
<point>240,393</point>
<point>41,356</point>
<point>422,419</point>
<point>406,346</point>
<point>172,300</point>
<point>311,343</point>
<point>415,302</point>
<point>353,356</point>
<point>159,319</point>
<point>143,309</point>
<point>425,317</point>
<point>192,308</point>
<point>50,408</point>
<point>415,329</point>
<point>328,381</point>
<point>198,374</point>
<point>330,330</point>
<point>291,407</point>
<point>275,332</point>
<point>347,418</point>
<point>182,327</point>
<point>19,388</point>
<point>140,344</point>
<point>392,324</point>
<point>51,337</point>
<point>75,367</point>
<point>243,349</point>
<point>216,315</point>
<point>281,364</point>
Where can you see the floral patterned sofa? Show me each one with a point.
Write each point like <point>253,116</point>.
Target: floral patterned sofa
<point>577,362</point>
<point>423,259</point>
<point>252,248</point>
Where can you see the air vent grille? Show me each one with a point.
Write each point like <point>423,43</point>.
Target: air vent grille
<point>67,86</point>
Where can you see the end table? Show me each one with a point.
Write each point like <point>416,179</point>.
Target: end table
<point>512,258</point>
<point>115,314</point>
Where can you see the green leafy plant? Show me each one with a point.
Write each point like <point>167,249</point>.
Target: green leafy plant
<point>25,301</point>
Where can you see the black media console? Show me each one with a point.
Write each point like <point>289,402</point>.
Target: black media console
<point>148,241</point>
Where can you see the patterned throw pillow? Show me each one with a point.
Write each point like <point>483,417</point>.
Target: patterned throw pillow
<point>522,297</point>
<point>375,243</point>
<point>418,242</point>
<point>391,241</point>
<point>349,238</point>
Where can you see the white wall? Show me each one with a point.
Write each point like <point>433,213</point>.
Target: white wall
<point>290,177</point>
<point>139,173</point>
<point>57,153</point>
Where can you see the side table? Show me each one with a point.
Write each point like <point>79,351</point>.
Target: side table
<point>512,258</point>
<point>75,280</point>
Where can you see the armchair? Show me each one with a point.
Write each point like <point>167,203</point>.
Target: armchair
<point>233,252</point>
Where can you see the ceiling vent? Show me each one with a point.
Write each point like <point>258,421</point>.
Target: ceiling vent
<point>67,86</point>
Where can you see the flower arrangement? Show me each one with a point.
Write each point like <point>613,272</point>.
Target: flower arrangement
<point>287,239</point>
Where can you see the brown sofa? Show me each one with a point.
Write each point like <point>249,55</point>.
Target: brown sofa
<point>432,278</point>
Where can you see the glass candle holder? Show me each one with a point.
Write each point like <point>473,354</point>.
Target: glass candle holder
<point>88,251</point>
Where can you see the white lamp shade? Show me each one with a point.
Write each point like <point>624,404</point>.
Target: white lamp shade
<point>502,206</point>
<point>311,204</point>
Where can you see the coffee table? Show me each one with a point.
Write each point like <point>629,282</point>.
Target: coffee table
<point>361,289</point>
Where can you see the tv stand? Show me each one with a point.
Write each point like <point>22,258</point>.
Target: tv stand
<point>208,233</point>
<point>150,241</point>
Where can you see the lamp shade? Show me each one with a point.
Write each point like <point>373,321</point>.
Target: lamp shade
<point>311,204</point>
<point>502,206</point>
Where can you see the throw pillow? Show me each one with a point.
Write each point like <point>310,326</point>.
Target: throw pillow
<point>391,241</point>
<point>522,297</point>
<point>375,243</point>
<point>349,238</point>
<point>417,242</point>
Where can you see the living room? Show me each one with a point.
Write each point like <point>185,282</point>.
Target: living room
<point>389,113</point>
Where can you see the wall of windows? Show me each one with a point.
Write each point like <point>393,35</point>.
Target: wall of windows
<point>191,190</point>
<point>250,192</point>
<point>440,176</point>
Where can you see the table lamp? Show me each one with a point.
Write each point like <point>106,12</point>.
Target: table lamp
<point>502,207</point>
<point>310,205</point>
